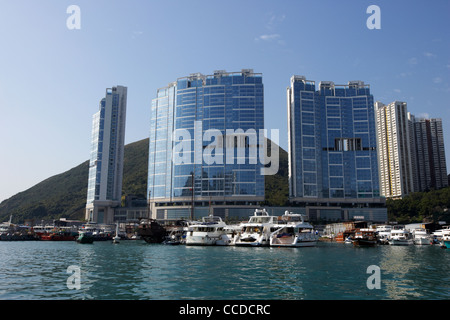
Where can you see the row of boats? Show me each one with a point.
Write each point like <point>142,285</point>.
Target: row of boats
<point>395,235</point>
<point>88,233</point>
<point>288,230</point>
<point>262,229</point>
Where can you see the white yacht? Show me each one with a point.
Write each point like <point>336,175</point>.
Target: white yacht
<point>421,236</point>
<point>445,240</point>
<point>439,233</point>
<point>257,231</point>
<point>227,239</point>
<point>384,233</point>
<point>400,237</point>
<point>207,232</point>
<point>6,227</point>
<point>293,231</point>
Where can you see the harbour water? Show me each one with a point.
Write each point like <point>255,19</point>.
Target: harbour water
<point>131,270</point>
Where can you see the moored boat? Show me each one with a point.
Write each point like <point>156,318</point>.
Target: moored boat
<point>85,237</point>
<point>445,241</point>
<point>99,232</point>
<point>227,239</point>
<point>439,233</point>
<point>421,236</point>
<point>151,231</point>
<point>400,237</point>
<point>256,232</point>
<point>207,232</point>
<point>293,231</point>
<point>365,238</point>
<point>59,235</point>
<point>383,233</point>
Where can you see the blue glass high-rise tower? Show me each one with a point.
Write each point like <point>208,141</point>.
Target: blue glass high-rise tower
<point>332,144</point>
<point>190,145</point>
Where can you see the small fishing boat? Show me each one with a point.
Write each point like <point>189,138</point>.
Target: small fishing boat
<point>151,231</point>
<point>85,237</point>
<point>348,240</point>
<point>365,238</point>
<point>59,235</point>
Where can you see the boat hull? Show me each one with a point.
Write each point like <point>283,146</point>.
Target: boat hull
<point>422,241</point>
<point>300,244</point>
<point>364,243</point>
<point>249,243</point>
<point>57,237</point>
<point>446,243</point>
<point>152,232</point>
<point>85,240</point>
<point>201,240</point>
<point>292,242</point>
<point>400,242</point>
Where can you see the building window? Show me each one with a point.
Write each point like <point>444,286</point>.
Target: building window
<point>347,144</point>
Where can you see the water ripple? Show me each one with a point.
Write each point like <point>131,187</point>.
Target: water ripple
<point>135,270</point>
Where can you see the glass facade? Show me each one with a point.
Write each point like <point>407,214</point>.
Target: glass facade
<point>190,142</point>
<point>332,142</point>
<point>107,147</point>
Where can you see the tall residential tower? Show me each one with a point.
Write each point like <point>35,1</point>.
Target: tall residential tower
<point>411,151</point>
<point>107,152</point>
<point>193,159</point>
<point>333,164</point>
<point>431,166</point>
<point>394,149</point>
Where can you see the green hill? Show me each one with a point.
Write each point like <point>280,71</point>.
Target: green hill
<point>64,195</point>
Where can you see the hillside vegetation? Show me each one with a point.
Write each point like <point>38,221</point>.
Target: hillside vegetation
<point>421,207</point>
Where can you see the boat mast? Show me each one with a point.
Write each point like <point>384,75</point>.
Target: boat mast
<point>192,204</point>
<point>148,205</point>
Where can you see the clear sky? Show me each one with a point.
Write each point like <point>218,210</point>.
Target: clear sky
<point>52,78</point>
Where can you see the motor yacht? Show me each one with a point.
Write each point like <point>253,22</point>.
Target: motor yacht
<point>227,239</point>
<point>383,233</point>
<point>207,232</point>
<point>293,231</point>
<point>438,233</point>
<point>445,240</point>
<point>257,231</point>
<point>400,237</point>
<point>421,236</point>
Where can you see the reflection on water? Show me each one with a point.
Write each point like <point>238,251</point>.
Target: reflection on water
<point>396,264</point>
<point>136,270</point>
<point>415,272</point>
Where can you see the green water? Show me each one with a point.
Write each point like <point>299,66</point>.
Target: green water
<point>136,270</point>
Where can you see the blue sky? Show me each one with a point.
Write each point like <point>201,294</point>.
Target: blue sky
<point>52,78</point>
